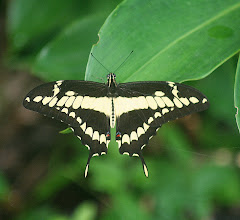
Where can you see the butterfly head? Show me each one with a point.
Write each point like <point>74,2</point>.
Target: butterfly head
<point>111,80</point>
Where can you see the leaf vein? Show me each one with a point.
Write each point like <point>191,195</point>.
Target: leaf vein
<point>219,15</point>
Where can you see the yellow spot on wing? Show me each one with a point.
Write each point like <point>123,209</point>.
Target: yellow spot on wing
<point>27,99</point>
<point>37,98</point>
<point>194,100</point>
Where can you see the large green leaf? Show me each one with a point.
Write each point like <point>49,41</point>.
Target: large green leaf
<point>237,94</point>
<point>223,77</point>
<point>173,40</point>
<point>66,56</point>
<point>30,21</point>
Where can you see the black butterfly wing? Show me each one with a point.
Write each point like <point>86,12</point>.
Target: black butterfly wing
<point>142,107</point>
<point>80,104</point>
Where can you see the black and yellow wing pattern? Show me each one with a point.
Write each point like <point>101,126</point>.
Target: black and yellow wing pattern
<point>142,108</point>
<point>138,110</point>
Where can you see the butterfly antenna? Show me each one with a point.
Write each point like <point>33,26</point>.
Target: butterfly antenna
<point>100,63</point>
<point>123,61</point>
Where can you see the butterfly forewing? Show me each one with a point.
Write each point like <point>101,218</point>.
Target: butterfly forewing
<point>75,103</point>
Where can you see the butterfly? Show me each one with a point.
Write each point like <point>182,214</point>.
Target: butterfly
<point>137,109</point>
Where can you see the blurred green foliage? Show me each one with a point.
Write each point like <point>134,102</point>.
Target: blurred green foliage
<point>193,164</point>
<point>4,187</point>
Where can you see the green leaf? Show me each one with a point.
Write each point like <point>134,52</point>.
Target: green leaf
<point>66,56</point>
<point>172,40</point>
<point>221,101</point>
<point>31,21</point>
<point>66,131</point>
<point>237,94</point>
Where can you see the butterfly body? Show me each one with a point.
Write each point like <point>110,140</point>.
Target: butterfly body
<point>137,109</point>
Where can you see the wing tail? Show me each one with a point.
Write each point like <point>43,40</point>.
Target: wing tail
<point>145,169</point>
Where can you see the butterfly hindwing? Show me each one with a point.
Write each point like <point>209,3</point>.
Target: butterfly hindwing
<point>148,105</point>
<point>76,103</point>
<point>133,132</point>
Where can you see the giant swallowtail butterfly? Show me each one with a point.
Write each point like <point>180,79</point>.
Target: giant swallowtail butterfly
<point>138,109</point>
